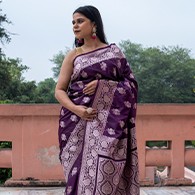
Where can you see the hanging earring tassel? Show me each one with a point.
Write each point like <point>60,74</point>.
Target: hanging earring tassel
<point>94,34</point>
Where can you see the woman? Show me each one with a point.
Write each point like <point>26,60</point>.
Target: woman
<point>98,94</point>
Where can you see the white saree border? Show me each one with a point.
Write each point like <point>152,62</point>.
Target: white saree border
<point>73,147</point>
<point>98,147</point>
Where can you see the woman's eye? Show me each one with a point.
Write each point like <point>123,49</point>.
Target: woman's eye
<point>80,21</point>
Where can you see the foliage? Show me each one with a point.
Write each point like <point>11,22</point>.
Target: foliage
<point>5,144</point>
<point>5,173</point>
<point>152,144</point>
<point>57,60</point>
<point>164,75</point>
<point>5,102</point>
<point>190,143</point>
<point>45,91</point>
<point>13,88</point>
<point>160,144</point>
<point>4,34</point>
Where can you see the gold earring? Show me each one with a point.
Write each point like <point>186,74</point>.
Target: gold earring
<point>94,33</point>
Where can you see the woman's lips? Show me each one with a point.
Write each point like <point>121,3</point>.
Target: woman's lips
<point>76,31</point>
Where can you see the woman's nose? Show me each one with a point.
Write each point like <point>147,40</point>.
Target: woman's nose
<point>75,25</point>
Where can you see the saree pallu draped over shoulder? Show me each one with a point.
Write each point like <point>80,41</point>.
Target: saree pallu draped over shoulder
<point>99,157</point>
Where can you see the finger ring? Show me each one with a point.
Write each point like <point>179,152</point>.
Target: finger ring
<point>89,110</point>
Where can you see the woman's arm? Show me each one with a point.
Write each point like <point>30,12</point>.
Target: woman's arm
<point>62,86</point>
<point>63,82</point>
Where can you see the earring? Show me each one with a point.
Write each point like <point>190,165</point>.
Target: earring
<point>94,33</point>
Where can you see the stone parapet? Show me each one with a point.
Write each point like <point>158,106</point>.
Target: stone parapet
<point>32,129</point>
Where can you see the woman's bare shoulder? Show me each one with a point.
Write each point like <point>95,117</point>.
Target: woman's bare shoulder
<point>71,55</point>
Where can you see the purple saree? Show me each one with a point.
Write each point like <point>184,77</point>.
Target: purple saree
<point>99,157</point>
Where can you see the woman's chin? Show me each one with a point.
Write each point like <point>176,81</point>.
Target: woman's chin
<point>77,36</point>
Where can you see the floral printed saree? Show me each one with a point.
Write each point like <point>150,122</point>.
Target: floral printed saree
<point>99,157</point>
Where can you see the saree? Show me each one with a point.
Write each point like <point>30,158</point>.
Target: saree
<point>99,157</point>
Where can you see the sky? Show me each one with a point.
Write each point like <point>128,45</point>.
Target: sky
<point>42,28</point>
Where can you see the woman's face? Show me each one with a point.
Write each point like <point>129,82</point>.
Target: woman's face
<point>82,26</point>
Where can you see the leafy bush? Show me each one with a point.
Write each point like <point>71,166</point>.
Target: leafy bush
<point>5,173</point>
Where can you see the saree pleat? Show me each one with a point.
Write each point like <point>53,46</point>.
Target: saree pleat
<point>99,157</point>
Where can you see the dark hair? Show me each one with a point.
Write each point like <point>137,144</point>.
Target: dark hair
<point>93,14</point>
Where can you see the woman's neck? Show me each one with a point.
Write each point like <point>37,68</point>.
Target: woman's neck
<point>90,45</point>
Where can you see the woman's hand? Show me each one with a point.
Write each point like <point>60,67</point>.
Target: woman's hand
<point>85,112</point>
<point>90,87</point>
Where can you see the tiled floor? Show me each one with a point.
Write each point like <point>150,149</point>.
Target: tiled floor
<point>168,190</point>
<point>32,191</point>
<point>60,191</point>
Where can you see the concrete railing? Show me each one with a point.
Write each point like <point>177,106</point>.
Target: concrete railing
<point>33,131</point>
<point>174,123</point>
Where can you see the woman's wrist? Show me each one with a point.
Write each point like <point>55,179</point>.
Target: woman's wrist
<point>73,108</point>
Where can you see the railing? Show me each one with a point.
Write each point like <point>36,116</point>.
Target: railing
<point>174,124</point>
<point>32,129</point>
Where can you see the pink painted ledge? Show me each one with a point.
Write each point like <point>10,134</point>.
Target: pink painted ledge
<point>32,129</point>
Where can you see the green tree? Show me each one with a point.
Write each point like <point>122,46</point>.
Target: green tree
<point>57,60</point>
<point>4,34</point>
<point>45,91</point>
<point>25,92</point>
<point>13,88</point>
<point>164,75</point>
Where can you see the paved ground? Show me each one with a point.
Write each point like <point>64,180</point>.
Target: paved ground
<point>59,191</point>
<point>32,191</point>
<point>168,190</point>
